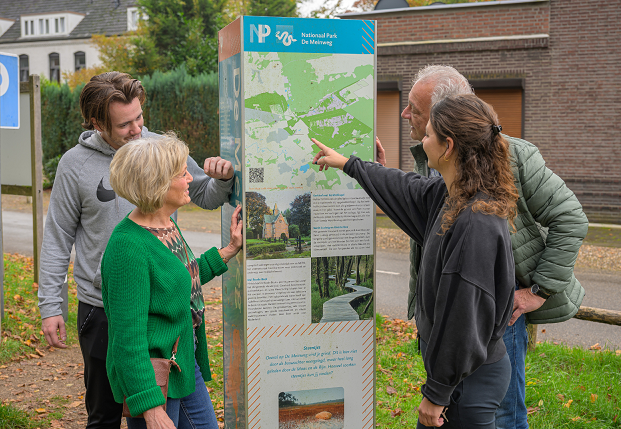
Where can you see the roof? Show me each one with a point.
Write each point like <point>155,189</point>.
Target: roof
<point>273,218</point>
<point>107,17</point>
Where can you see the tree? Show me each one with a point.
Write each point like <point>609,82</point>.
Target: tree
<point>256,208</point>
<point>285,8</point>
<point>184,32</point>
<point>325,9</point>
<point>286,400</point>
<point>301,213</point>
<point>294,231</point>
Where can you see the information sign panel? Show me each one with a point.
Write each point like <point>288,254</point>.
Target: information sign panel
<point>299,310</point>
<point>9,91</point>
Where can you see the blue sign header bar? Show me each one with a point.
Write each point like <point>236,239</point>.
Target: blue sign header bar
<point>308,35</point>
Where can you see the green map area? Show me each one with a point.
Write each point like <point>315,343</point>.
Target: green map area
<point>293,97</point>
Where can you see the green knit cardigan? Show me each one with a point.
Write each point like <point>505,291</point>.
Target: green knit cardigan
<point>146,296</point>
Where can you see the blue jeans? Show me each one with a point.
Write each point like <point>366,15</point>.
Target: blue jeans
<point>193,411</point>
<point>512,411</point>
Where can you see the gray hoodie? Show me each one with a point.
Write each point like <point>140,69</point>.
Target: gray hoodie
<point>84,211</point>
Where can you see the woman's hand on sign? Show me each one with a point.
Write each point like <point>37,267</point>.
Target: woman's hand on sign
<point>327,157</point>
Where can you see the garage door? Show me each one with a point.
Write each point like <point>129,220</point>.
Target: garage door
<point>388,118</point>
<point>508,105</point>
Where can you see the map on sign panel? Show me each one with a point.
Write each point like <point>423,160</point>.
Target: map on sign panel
<point>293,97</point>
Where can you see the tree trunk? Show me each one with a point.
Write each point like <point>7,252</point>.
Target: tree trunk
<point>358,258</point>
<point>317,278</point>
<point>370,302</point>
<point>350,263</point>
<point>326,280</point>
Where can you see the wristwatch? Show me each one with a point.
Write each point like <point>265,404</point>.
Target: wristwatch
<point>536,290</point>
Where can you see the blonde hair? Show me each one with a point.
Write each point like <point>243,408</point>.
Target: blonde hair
<point>142,170</point>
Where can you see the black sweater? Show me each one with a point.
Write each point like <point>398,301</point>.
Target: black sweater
<point>466,282</point>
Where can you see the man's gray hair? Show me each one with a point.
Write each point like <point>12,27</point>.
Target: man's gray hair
<point>448,81</point>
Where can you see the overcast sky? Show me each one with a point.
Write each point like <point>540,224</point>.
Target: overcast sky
<point>309,5</point>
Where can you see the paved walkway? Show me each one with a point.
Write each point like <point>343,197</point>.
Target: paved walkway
<point>339,309</point>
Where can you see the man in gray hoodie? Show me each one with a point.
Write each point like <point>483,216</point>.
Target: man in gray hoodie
<point>84,210</point>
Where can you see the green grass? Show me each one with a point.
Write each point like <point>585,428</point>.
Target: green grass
<point>566,388</point>
<point>21,326</point>
<point>22,337</point>
<point>13,418</point>
<point>604,237</point>
<point>284,255</point>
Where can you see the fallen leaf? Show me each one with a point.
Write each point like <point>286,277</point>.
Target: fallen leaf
<point>595,346</point>
<point>568,404</point>
<point>395,413</point>
<point>532,410</point>
<point>391,390</point>
<point>543,331</point>
<point>561,397</point>
<point>593,397</point>
<point>75,404</point>
<point>41,410</point>
<point>540,403</point>
<point>575,418</point>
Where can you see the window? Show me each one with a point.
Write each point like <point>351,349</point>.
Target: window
<point>59,25</point>
<point>50,24</point>
<point>133,17</point>
<point>80,60</point>
<point>23,68</point>
<point>54,67</point>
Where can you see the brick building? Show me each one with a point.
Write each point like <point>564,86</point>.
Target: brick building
<point>550,68</point>
<point>275,224</point>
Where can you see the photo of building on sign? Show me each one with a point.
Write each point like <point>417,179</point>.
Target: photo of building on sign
<point>278,224</point>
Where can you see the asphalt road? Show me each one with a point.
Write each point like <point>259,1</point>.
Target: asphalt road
<point>603,288</point>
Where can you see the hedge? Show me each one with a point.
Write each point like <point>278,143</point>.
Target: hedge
<point>266,248</point>
<point>175,101</point>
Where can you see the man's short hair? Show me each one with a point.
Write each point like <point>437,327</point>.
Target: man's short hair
<point>104,89</point>
<point>143,169</point>
<point>448,82</point>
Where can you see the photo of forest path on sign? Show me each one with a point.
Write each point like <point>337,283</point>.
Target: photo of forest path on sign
<point>341,288</point>
<point>312,409</point>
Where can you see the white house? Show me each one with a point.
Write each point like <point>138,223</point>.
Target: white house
<point>54,36</point>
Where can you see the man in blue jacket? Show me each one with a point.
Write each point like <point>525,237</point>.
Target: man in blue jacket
<point>550,228</point>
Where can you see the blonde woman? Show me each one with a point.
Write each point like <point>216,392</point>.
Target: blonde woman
<point>151,288</point>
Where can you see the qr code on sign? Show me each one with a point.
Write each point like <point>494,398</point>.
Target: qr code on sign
<point>256,175</point>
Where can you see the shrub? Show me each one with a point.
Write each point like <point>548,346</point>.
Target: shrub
<point>266,248</point>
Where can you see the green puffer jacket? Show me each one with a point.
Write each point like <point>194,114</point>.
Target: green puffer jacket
<point>550,228</point>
